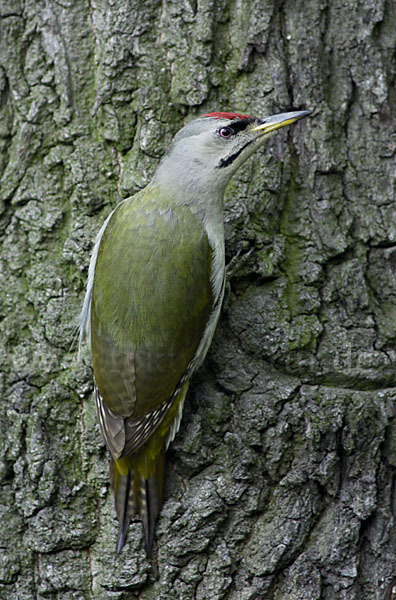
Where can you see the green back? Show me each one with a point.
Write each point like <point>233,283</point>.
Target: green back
<point>151,301</point>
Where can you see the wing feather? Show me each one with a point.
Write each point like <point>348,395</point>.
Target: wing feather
<point>152,299</point>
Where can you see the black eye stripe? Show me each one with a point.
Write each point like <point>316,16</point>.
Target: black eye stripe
<point>240,125</point>
<point>236,126</point>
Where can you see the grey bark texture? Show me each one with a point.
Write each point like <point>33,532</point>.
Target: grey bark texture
<point>281,482</point>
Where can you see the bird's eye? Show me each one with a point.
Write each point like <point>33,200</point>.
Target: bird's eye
<point>225,132</point>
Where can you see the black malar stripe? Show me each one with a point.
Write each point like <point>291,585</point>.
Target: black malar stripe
<point>225,162</point>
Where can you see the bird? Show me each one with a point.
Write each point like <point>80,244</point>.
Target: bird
<point>155,288</point>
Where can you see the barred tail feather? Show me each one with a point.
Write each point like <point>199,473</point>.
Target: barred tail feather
<point>150,500</point>
<point>122,479</point>
<point>137,482</point>
<point>124,510</point>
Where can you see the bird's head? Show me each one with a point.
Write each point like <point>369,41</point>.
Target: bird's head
<point>217,144</point>
<point>214,146</point>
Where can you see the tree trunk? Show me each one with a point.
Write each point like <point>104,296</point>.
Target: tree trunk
<point>281,481</point>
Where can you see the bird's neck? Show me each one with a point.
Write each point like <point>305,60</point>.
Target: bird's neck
<point>190,186</point>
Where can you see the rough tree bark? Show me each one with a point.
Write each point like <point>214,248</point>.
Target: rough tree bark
<point>281,482</point>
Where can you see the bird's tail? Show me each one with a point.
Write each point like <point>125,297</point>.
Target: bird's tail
<point>137,482</point>
<point>138,478</point>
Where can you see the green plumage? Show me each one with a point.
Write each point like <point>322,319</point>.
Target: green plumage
<point>151,301</point>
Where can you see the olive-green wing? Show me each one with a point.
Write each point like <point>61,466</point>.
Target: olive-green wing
<point>151,301</point>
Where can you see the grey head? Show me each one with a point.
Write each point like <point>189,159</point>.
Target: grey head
<point>210,149</point>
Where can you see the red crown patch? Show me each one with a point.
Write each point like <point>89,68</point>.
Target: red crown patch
<point>226,115</point>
